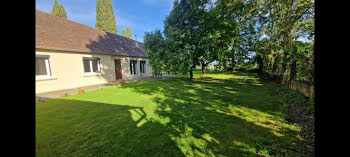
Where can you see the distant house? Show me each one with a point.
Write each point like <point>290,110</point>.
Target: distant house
<point>71,55</point>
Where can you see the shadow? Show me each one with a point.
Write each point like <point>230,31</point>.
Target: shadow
<point>119,47</point>
<point>211,116</point>
<point>66,127</point>
<point>115,45</point>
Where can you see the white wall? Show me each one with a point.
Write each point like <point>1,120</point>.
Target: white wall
<point>68,71</point>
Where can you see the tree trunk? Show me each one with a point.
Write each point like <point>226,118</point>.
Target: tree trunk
<point>275,63</point>
<point>285,60</point>
<point>203,69</point>
<point>313,64</point>
<point>232,61</point>
<point>293,71</point>
<point>293,66</point>
<point>261,65</point>
<point>191,74</point>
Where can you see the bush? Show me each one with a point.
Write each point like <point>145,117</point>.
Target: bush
<point>311,106</point>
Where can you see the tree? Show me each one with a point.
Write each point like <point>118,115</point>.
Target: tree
<point>155,47</point>
<point>234,24</point>
<point>58,10</point>
<point>184,33</point>
<point>124,33</point>
<point>263,32</point>
<point>128,32</point>
<point>105,19</point>
<point>284,22</point>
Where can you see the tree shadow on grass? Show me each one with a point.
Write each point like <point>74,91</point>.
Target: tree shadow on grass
<point>67,127</point>
<point>212,117</point>
<point>206,118</point>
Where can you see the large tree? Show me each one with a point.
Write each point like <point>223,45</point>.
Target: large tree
<point>233,22</point>
<point>184,32</point>
<point>284,22</point>
<point>105,19</point>
<point>198,32</point>
<point>58,10</point>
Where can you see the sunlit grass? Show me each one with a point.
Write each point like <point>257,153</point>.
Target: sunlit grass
<point>216,114</point>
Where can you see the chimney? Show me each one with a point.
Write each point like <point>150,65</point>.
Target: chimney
<point>136,40</point>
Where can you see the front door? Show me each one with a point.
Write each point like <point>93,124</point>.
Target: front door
<point>118,69</point>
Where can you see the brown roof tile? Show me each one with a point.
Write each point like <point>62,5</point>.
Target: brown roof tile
<point>54,32</point>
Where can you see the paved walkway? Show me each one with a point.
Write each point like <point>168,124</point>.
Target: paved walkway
<point>56,94</point>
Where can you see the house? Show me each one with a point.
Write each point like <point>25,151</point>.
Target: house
<point>71,55</point>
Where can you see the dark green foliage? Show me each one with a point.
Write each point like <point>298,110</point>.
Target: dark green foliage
<point>185,31</point>
<point>311,106</point>
<point>283,22</point>
<point>156,49</point>
<point>58,10</point>
<point>261,34</point>
<point>105,18</point>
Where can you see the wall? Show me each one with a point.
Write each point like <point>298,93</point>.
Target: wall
<point>68,71</point>
<point>126,67</point>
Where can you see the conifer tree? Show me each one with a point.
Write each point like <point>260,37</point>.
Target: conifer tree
<point>105,19</point>
<point>124,33</point>
<point>128,33</point>
<point>58,10</point>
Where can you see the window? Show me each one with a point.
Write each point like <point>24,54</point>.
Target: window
<point>133,67</point>
<point>143,67</point>
<point>91,65</point>
<point>42,66</point>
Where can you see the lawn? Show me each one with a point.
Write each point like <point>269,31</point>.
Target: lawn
<point>216,114</point>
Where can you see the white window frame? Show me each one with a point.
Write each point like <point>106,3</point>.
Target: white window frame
<point>47,64</point>
<point>90,63</point>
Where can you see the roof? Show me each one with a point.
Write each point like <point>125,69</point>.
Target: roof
<point>52,32</point>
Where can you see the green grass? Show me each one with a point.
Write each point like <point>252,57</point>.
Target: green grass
<point>214,115</point>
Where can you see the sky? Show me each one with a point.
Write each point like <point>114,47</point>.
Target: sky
<point>141,15</point>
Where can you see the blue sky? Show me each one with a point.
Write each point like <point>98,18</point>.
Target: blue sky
<point>140,15</point>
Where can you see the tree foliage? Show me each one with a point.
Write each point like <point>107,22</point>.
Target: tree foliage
<point>105,19</point>
<point>284,22</point>
<point>128,32</point>
<point>124,33</point>
<point>58,10</point>
<point>265,33</point>
<point>156,49</point>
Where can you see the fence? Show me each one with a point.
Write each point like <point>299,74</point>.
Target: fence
<point>307,90</point>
